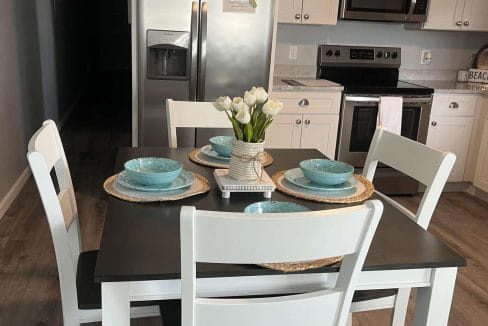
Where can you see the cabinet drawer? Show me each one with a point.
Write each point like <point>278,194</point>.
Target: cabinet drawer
<point>310,102</point>
<point>454,105</point>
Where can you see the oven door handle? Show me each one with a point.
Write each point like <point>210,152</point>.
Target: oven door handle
<point>406,100</point>
<point>362,99</point>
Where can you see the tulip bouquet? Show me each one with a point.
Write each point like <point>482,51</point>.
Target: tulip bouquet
<point>250,116</point>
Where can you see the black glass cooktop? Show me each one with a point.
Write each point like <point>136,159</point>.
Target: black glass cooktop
<point>372,81</point>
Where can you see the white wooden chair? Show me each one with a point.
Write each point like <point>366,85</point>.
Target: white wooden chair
<point>183,114</point>
<point>426,165</point>
<point>80,295</point>
<point>238,238</point>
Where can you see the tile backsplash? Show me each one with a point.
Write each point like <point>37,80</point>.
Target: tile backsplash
<point>451,51</point>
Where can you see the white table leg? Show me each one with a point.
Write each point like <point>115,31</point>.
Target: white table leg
<point>434,303</point>
<point>116,303</point>
<point>225,194</point>
<point>267,194</point>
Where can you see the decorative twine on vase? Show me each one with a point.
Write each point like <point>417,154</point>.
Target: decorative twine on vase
<point>246,161</point>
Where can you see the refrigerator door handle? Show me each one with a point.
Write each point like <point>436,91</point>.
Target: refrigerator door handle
<point>202,50</point>
<point>194,51</point>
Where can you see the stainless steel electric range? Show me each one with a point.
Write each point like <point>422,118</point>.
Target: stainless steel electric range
<point>366,74</point>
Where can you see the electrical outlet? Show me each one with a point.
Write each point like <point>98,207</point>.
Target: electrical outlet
<point>426,57</point>
<point>293,55</point>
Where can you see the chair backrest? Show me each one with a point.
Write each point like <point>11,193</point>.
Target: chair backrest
<point>183,114</point>
<point>239,238</point>
<point>45,153</point>
<point>426,165</point>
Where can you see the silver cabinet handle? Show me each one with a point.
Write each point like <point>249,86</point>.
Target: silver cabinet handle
<point>306,16</point>
<point>454,105</point>
<point>466,23</point>
<point>433,123</point>
<point>459,23</point>
<point>307,122</point>
<point>298,121</point>
<point>298,16</point>
<point>304,102</point>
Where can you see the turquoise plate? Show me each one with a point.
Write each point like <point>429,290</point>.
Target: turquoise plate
<point>208,150</point>
<point>296,177</point>
<point>275,207</point>
<point>185,179</point>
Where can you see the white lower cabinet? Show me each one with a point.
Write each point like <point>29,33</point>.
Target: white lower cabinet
<point>481,176</point>
<point>452,134</point>
<point>308,120</point>
<point>285,131</point>
<point>450,129</point>
<point>320,131</point>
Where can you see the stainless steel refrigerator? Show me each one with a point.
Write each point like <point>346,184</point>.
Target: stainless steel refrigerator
<point>196,51</point>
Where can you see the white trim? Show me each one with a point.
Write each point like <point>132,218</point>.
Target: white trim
<point>478,193</point>
<point>9,198</point>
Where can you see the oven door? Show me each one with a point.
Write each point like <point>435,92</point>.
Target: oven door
<point>359,120</point>
<point>381,10</point>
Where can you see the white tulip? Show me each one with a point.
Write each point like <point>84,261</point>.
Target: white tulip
<point>250,97</point>
<point>237,104</point>
<point>243,115</point>
<point>261,95</point>
<point>223,103</point>
<point>272,107</point>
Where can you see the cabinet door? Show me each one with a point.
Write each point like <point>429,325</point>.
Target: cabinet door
<point>285,131</point>
<point>320,132</point>
<point>290,11</point>
<point>481,176</point>
<point>320,12</point>
<point>475,17</point>
<point>445,14</point>
<point>451,134</point>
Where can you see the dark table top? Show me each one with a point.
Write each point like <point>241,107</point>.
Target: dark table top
<point>142,241</point>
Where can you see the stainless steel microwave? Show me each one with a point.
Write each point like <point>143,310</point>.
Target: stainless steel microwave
<point>411,11</point>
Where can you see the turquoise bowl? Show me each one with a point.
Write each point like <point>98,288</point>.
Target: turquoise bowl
<point>326,172</point>
<point>222,145</point>
<point>153,170</point>
<point>275,207</point>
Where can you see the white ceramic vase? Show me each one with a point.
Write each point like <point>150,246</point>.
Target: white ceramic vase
<point>246,160</point>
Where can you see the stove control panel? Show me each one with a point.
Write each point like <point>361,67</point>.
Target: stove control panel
<point>359,56</point>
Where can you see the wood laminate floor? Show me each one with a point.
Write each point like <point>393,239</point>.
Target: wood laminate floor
<point>29,290</point>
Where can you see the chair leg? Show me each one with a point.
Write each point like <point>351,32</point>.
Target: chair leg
<point>349,320</point>
<point>400,309</point>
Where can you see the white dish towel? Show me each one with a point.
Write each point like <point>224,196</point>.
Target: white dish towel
<point>390,114</point>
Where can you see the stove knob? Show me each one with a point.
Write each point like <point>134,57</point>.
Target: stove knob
<point>337,53</point>
<point>329,53</point>
<point>379,54</point>
<point>387,54</point>
<point>394,55</point>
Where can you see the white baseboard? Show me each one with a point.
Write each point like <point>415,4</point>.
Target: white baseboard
<point>480,194</point>
<point>14,191</point>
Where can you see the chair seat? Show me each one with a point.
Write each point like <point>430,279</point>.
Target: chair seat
<point>89,292</point>
<point>366,295</point>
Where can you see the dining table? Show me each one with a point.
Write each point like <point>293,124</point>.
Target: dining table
<point>139,256</point>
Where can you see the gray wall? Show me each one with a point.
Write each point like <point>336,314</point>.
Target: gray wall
<point>450,50</point>
<point>21,101</point>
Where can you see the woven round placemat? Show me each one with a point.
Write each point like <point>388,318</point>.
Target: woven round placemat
<point>199,186</point>
<point>198,157</point>
<point>364,190</point>
<point>304,265</point>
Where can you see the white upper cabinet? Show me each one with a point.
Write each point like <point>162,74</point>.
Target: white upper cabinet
<point>475,17</point>
<point>317,12</point>
<point>458,15</point>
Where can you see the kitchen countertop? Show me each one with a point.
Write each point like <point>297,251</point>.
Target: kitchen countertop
<point>280,86</point>
<point>453,87</point>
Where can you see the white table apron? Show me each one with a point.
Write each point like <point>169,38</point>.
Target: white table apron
<point>433,303</point>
